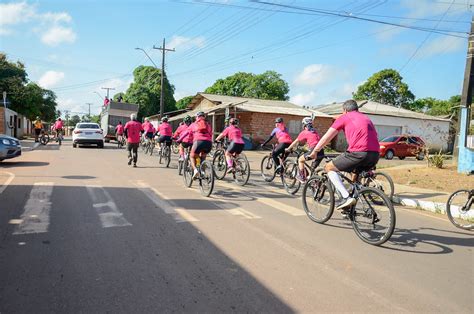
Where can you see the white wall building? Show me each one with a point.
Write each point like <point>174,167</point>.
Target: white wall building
<point>389,120</point>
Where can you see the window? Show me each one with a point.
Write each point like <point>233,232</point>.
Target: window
<point>402,139</point>
<point>390,139</point>
<point>87,126</point>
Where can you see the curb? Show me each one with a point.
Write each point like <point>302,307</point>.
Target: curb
<point>438,208</point>
<point>27,149</point>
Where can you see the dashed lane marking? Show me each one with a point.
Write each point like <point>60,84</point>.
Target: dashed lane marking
<point>11,176</point>
<point>35,217</point>
<point>106,208</point>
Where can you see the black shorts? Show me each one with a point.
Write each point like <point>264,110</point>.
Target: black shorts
<point>201,147</point>
<point>149,135</point>
<point>319,156</point>
<point>186,145</point>
<point>356,161</point>
<point>165,138</point>
<point>37,131</point>
<point>235,148</point>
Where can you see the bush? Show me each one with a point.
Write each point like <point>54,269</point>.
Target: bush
<point>436,160</point>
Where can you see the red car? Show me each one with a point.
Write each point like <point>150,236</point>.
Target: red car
<point>402,146</point>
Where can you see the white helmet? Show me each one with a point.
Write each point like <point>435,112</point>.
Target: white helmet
<point>307,121</point>
<point>133,117</point>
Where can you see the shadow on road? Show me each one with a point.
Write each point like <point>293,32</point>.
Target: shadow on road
<point>15,164</point>
<point>78,177</point>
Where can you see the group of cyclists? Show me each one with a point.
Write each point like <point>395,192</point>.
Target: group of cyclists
<point>362,153</point>
<point>57,128</point>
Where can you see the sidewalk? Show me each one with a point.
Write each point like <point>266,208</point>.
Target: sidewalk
<point>424,199</point>
<point>29,144</point>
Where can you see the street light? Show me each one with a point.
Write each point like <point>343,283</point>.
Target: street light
<point>147,56</point>
<point>101,98</point>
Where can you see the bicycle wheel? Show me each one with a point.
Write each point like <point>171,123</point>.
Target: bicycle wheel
<point>318,199</point>
<point>289,177</point>
<point>242,170</point>
<point>167,153</point>
<point>187,173</point>
<point>459,211</point>
<point>44,139</point>
<point>175,148</point>
<point>220,165</point>
<point>206,179</point>
<point>373,217</point>
<point>180,167</point>
<point>267,169</point>
<point>160,156</point>
<point>383,182</point>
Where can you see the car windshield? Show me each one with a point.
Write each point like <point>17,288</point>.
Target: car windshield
<point>87,126</point>
<point>390,139</point>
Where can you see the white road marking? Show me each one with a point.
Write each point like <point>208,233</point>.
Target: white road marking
<point>162,201</point>
<point>11,176</point>
<point>35,217</point>
<point>106,208</point>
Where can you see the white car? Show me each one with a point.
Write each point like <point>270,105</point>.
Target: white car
<point>88,133</point>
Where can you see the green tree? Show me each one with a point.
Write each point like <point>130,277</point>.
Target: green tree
<point>75,119</point>
<point>184,102</point>
<point>386,87</point>
<point>268,85</point>
<point>145,91</point>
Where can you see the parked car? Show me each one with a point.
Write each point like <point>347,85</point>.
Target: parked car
<point>88,133</point>
<point>9,147</point>
<point>402,146</point>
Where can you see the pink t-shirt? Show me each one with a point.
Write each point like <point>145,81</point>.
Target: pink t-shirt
<point>58,125</point>
<point>234,134</point>
<point>165,129</point>
<point>282,134</point>
<point>180,130</point>
<point>148,127</point>
<point>360,132</point>
<point>310,137</point>
<point>133,129</point>
<point>186,136</point>
<point>119,129</point>
<point>201,136</point>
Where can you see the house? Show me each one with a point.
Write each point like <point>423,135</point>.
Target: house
<point>390,120</point>
<point>257,116</point>
<point>13,123</point>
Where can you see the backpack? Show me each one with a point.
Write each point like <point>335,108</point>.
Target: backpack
<point>201,126</point>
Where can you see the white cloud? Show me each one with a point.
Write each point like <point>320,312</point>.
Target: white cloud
<point>304,99</point>
<point>50,79</point>
<point>58,34</point>
<point>314,74</point>
<point>442,45</point>
<point>15,13</point>
<point>185,43</point>
<point>56,17</point>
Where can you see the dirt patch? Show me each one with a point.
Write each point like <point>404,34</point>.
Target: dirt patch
<point>446,179</point>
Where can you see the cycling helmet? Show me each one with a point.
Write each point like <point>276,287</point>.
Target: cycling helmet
<point>133,117</point>
<point>146,120</point>
<point>187,119</point>
<point>164,119</point>
<point>234,121</point>
<point>59,119</point>
<point>307,121</point>
<point>278,120</point>
<point>200,114</point>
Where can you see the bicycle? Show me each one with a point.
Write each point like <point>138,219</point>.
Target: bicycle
<point>269,171</point>
<point>240,166</point>
<point>458,209</point>
<point>372,216</point>
<point>175,148</point>
<point>165,153</point>
<point>121,141</point>
<point>205,177</point>
<point>149,146</point>
<point>181,162</point>
<point>44,137</point>
<point>58,137</point>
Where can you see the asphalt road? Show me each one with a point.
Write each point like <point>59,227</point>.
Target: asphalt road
<point>80,231</point>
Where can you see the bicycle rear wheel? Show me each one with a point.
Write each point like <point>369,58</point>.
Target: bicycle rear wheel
<point>175,148</point>
<point>289,177</point>
<point>459,209</point>
<point>180,167</point>
<point>187,173</point>
<point>318,199</point>
<point>44,139</point>
<point>167,152</point>
<point>242,170</point>
<point>267,169</point>
<point>220,165</point>
<point>383,182</point>
<point>373,217</point>
<point>206,179</point>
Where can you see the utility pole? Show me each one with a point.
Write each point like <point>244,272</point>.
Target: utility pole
<point>66,115</point>
<point>162,96</point>
<point>89,104</point>
<point>108,89</point>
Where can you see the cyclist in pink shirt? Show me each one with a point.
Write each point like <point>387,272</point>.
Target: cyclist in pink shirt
<point>132,131</point>
<point>284,141</point>
<point>58,128</point>
<point>166,132</point>
<point>362,153</point>
<point>185,142</point>
<point>236,146</point>
<point>149,129</point>
<point>309,136</point>
<point>119,128</point>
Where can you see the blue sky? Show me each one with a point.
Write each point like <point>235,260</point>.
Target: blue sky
<point>77,47</point>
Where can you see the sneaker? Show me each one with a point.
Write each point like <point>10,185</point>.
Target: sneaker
<point>231,170</point>
<point>346,202</point>
<point>129,161</point>
<point>196,174</point>
<point>180,158</point>
<point>134,165</point>
<point>300,178</point>
<point>278,169</point>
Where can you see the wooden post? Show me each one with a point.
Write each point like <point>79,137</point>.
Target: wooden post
<point>213,126</point>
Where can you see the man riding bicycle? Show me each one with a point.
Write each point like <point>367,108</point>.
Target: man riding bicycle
<point>58,128</point>
<point>166,132</point>
<point>284,141</point>
<point>362,153</point>
<point>185,142</point>
<point>234,133</point>
<point>310,136</point>
<point>119,131</point>
<point>149,129</point>
<point>38,127</point>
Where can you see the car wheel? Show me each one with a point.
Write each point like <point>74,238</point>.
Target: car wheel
<point>74,145</point>
<point>389,154</point>
<point>401,157</point>
<point>101,145</point>
<point>420,156</point>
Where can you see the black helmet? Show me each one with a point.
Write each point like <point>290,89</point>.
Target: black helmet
<point>187,120</point>
<point>234,121</point>
<point>278,120</point>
